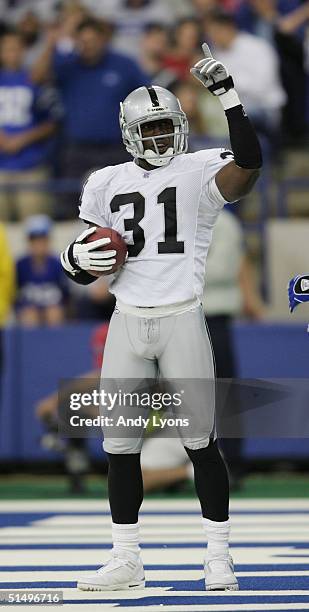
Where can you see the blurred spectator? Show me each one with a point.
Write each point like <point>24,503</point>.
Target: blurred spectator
<point>130,18</point>
<point>259,16</point>
<point>42,15</point>
<point>28,119</point>
<point>295,21</point>
<point>75,450</point>
<point>203,7</point>
<point>92,80</point>
<point>154,48</point>
<point>281,23</point>
<point>41,283</point>
<point>63,30</point>
<point>185,49</point>
<point>257,82</point>
<point>230,290</point>
<point>7,278</point>
<point>7,289</point>
<point>32,34</point>
<point>188,96</point>
<point>179,8</point>
<point>14,10</point>
<point>231,5</point>
<point>95,302</point>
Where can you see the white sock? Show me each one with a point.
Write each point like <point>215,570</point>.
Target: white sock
<point>217,534</point>
<point>126,539</point>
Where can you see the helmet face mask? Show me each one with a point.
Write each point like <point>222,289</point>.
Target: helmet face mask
<point>145,105</point>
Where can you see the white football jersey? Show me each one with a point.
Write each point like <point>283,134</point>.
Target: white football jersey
<point>166,216</point>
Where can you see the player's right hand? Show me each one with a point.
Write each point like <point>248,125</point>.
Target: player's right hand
<point>212,73</point>
<point>87,255</point>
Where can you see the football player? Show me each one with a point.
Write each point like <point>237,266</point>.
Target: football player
<point>165,204</point>
<point>298,290</point>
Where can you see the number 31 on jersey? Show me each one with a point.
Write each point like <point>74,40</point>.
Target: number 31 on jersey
<point>167,198</point>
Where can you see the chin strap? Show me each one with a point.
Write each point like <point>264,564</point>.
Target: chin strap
<point>164,159</point>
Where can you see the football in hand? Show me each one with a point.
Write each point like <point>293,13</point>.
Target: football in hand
<point>116,243</point>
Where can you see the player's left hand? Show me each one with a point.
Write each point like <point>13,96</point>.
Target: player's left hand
<point>298,290</point>
<point>212,73</point>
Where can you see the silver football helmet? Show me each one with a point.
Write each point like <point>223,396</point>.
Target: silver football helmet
<point>149,104</point>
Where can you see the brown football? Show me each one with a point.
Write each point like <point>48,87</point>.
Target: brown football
<point>117,244</point>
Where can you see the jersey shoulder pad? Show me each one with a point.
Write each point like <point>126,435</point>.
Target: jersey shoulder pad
<point>99,178</point>
<point>209,156</point>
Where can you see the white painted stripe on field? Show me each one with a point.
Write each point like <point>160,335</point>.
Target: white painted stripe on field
<point>186,529</point>
<point>161,556</point>
<point>160,539</point>
<point>54,505</point>
<point>162,574</point>
<point>169,521</point>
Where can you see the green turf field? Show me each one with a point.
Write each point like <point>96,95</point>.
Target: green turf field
<point>51,487</point>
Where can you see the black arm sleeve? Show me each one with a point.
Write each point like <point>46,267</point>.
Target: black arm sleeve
<point>244,141</point>
<point>82,277</point>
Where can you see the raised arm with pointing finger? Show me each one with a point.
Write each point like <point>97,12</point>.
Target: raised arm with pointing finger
<point>236,179</point>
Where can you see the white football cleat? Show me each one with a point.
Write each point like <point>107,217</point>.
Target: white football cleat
<point>118,574</point>
<point>219,574</point>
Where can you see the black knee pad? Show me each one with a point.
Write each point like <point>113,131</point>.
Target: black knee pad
<point>124,462</point>
<point>209,453</point>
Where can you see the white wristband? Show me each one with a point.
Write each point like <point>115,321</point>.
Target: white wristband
<point>229,99</point>
<point>65,262</point>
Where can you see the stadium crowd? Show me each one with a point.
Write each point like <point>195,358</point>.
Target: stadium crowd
<point>65,66</point>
